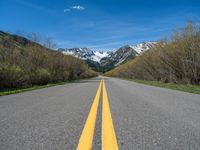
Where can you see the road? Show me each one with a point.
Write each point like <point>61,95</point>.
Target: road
<point>123,114</point>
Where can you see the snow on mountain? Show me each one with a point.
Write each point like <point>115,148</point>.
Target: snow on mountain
<point>111,59</point>
<point>142,47</point>
<point>124,54</point>
<point>99,55</point>
<point>118,57</point>
<point>84,53</point>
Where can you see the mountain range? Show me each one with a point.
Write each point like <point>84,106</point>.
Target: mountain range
<point>104,61</point>
<point>101,61</point>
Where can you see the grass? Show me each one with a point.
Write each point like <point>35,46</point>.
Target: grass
<point>19,90</point>
<point>181,87</point>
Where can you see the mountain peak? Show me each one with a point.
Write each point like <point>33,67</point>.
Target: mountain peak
<point>109,59</point>
<point>142,47</point>
<point>84,53</point>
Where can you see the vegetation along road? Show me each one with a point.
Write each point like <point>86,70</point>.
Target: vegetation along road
<point>100,113</point>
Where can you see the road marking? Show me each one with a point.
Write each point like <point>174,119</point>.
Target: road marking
<point>86,139</point>
<point>108,137</point>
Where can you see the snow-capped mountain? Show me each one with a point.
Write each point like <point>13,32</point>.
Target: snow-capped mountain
<point>124,54</point>
<point>118,57</point>
<point>99,55</point>
<point>142,47</point>
<point>108,60</point>
<point>85,53</point>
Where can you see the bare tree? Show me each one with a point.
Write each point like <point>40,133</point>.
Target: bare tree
<point>48,42</point>
<point>34,37</point>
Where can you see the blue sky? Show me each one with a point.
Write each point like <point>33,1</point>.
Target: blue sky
<point>98,24</point>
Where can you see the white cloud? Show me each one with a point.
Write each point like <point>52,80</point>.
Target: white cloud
<point>67,10</point>
<point>75,7</point>
<point>78,7</point>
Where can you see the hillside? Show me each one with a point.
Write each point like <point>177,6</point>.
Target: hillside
<point>176,60</point>
<point>25,63</point>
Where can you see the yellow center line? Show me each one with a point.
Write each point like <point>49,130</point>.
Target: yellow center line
<point>109,140</point>
<point>86,139</point>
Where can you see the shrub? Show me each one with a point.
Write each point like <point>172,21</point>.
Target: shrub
<point>176,60</point>
<point>41,76</point>
<point>26,63</point>
<point>12,76</point>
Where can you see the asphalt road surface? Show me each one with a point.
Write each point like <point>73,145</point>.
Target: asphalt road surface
<point>125,115</point>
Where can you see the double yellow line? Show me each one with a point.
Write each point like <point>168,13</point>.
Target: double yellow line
<point>108,138</point>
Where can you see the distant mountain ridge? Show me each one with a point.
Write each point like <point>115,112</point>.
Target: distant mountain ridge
<point>105,61</point>
<point>97,60</point>
<point>85,53</point>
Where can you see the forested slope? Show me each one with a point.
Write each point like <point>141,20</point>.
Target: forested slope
<point>175,60</point>
<point>25,63</point>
